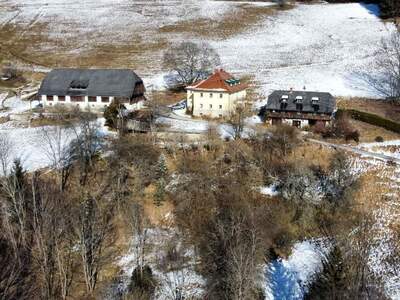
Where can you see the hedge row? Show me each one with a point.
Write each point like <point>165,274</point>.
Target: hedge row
<point>370,119</point>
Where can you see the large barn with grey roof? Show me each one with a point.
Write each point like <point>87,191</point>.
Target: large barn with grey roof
<point>299,108</point>
<point>91,88</point>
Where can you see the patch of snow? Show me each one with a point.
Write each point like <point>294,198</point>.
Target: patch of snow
<point>29,146</point>
<point>14,105</point>
<point>186,279</point>
<point>253,120</point>
<point>185,126</point>
<point>269,190</point>
<point>382,144</point>
<point>289,278</point>
<point>317,46</point>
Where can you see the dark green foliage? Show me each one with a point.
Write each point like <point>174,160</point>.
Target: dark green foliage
<point>331,283</point>
<point>18,174</point>
<point>160,192</point>
<point>111,114</point>
<point>161,174</point>
<point>142,283</point>
<point>371,119</point>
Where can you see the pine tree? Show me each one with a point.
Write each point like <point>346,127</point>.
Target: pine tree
<point>162,169</point>
<point>160,192</point>
<point>161,174</point>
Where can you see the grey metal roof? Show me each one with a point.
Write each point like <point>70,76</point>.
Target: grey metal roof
<point>326,102</point>
<point>98,82</point>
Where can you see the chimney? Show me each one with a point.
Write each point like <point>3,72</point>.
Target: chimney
<point>291,90</point>
<point>304,88</point>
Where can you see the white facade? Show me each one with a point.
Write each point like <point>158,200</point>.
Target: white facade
<point>96,103</point>
<point>213,103</point>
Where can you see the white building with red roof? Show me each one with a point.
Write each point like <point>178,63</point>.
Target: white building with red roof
<point>217,96</point>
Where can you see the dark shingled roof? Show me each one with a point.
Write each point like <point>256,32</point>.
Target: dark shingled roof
<point>90,82</point>
<point>326,102</point>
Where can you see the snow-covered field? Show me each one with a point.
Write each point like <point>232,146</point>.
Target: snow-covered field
<point>29,144</point>
<point>315,46</point>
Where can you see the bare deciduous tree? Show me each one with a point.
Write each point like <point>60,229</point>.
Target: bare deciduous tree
<point>93,229</point>
<point>383,76</point>
<point>191,61</point>
<point>6,147</point>
<point>56,147</point>
<point>87,143</point>
<point>236,120</point>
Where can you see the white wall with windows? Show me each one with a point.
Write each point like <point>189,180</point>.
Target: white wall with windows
<point>214,104</point>
<point>84,102</point>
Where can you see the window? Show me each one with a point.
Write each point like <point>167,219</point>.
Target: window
<point>61,98</point>
<point>221,95</point>
<point>296,123</point>
<point>211,95</point>
<point>316,107</point>
<point>105,99</point>
<point>220,115</point>
<point>299,106</point>
<point>283,105</point>
<point>50,98</point>
<point>210,106</point>
<point>201,105</point>
<point>77,98</point>
<point>201,95</point>
<point>220,107</point>
<point>92,98</point>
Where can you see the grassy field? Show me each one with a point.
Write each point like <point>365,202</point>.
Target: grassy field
<point>39,40</point>
<point>383,108</point>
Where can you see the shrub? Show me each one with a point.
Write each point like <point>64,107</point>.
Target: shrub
<point>142,282</point>
<point>111,114</point>
<point>379,139</point>
<point>320,128</point>
<point>352,135</point>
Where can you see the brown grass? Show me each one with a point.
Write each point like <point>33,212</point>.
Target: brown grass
<point>232,24</point>
<point>382,108</point>
<point>368,132</point>
<point>312,154</point>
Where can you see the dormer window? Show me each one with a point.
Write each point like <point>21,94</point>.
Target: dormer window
<point>299,99</point>
<point>79,84</point>
<point>315,103</point>
<point>284,98</point>
<point>283,105</point>
<point>299,106</point>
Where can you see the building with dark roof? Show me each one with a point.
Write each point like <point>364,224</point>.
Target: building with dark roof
<point>299,108</point>
<point>94,88</point>
<point>217,96</point>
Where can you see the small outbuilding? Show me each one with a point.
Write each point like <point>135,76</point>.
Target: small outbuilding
<point>92,88</point>
<point>299,108</point>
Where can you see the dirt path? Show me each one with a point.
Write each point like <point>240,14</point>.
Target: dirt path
<point>357,151</point>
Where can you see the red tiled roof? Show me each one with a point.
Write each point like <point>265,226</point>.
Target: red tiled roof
<point>218,81</point>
